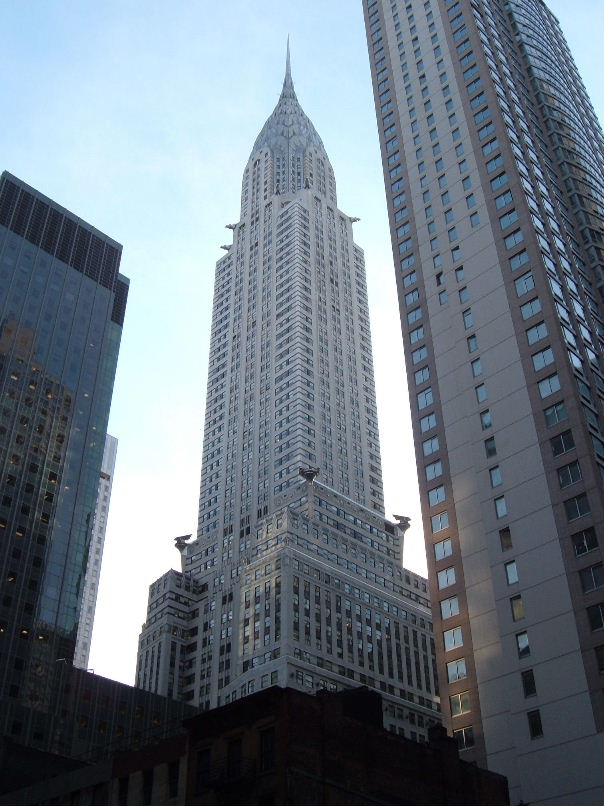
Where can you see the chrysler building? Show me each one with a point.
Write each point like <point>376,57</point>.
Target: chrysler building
<point>295,577</point>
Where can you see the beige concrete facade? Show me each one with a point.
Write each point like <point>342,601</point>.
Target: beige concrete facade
<point>502,323</point>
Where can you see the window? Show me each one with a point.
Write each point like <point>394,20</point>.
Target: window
<point>505,538</point>
<point>490,448</point>
<point>416,335</point>
<point>468,320</point>
<point>548,386</point>
<point>486,421</point>
<point>495,476</point>
<point>464,295</point>
<point>430,446</point>
<point>517,607</point>
<point>518,260</point>
<point>499,181</point>
<point>569,474</point>
<point>524,283</point>
<point>592,577</point>
<point>173,775</point>
<point>442,549</point>
<point>534,724</point>
<point>555,414</point>
<point>530,308</point>
<point>536,333</point>
<point>419,354</point>
<point>501,508</point>
<point>446,578</point>
<point>577,507</point>
<point>507,219</point>
<point>428,422</point>
<point>452,638</point>
<point>513,239</point>
<point>412,296</point>
<point>425,398</point>
<point>562,443</point>
<point>267,749</point>
<point>481,392</point>
<point>474,220</point>
<point>434,470</point>
<point>449,607</point>
<point>443,297</point>
<point>459,274</point>
<point>522,644</point>
<point>422,375</point>
<point>464,738</point>
<point>460,703</point>
<point>476,367</point>
<point>409,279</point>
<point>414,315</point>
<point>543,359</point>
<point>584,541</point>
<point>511,572</point>
<point>471,202</point>
<point>436,495</point>
<point>440,522</point>
<point>595,614</point>
<point>472,343</point>
<point>504,199</point>
<point>528,683</point>
<point>599,651</point>
<point>456,670</point>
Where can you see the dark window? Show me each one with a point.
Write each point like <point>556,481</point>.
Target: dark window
<point>173,774</point>
<point>505,537</point>
<point>584,541</point>
<point>534,723</point>
<point>599,650</point>
<point>577,507</point>
<point>204,759</point>
<point>562,443</point>
<point>595,614</point>
<point>147,785</point>
<point>234,759</point>
<point>122,793</point>
<point>592,577</point>
<point>267,749</point>
<point>528,683</point>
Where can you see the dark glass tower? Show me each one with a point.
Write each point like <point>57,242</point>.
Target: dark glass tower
<point>62,304</point>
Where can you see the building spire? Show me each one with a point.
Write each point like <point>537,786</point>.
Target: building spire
<point>288,84</point>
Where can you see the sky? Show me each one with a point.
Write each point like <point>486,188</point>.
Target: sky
<point>139,117</point>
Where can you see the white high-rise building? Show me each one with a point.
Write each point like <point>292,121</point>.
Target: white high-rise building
<point>295,577</point>
<point>95,555</point>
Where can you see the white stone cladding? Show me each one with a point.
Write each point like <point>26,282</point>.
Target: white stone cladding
<point>295,576</point>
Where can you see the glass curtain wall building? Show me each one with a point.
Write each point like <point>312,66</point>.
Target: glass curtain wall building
<point>62,304</point>
<point>494,171</point>
<point>295,576</point>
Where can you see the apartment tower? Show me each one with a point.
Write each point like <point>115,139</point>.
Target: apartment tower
<point>295,576</point>
<point>494,172</point>
<point>62,304</point>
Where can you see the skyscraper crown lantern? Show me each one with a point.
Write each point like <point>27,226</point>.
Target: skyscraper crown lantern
<point>292,141</point>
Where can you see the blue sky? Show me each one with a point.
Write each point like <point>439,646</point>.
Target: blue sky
<point>139,117</point>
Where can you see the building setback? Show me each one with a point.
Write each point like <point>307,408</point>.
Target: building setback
<point>494,172</point>
<point>62,304</point>
<point>295,577</point>
<point>95,554</point>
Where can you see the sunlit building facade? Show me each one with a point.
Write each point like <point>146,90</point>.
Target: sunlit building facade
<point>295,577</point>
<point>95,554</point>
<point>494,171</point>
